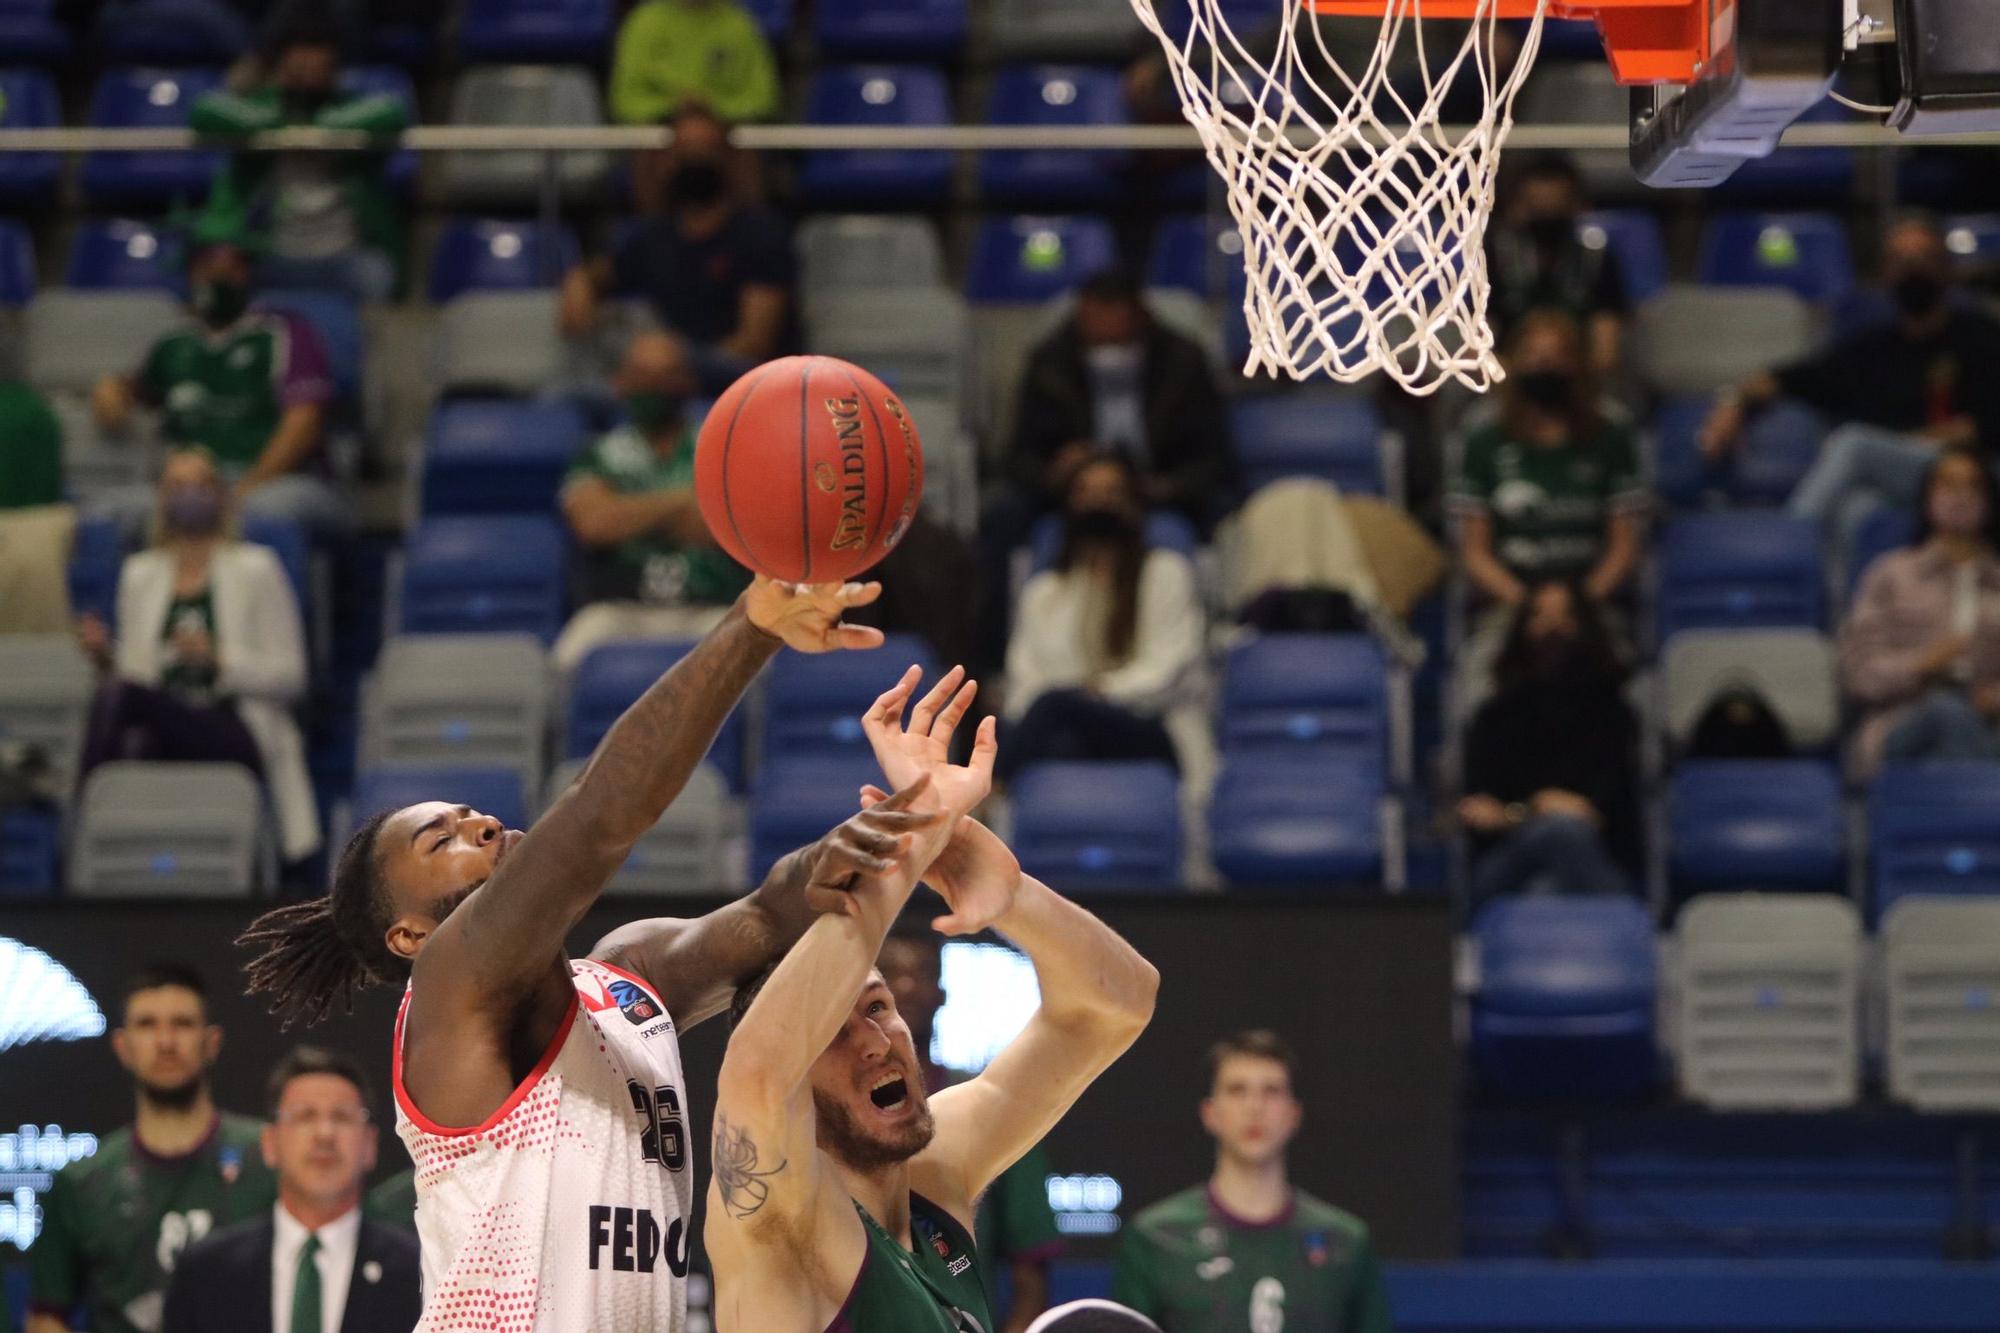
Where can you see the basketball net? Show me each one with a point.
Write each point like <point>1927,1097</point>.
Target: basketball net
<point>1363,224</point>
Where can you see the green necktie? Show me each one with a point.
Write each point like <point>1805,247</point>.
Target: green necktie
<point>305,1290</point>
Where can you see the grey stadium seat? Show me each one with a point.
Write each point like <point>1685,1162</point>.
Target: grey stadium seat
<point>529,96</point>
<point>1063,29</point>
<point>1794,669</point>
<point>1770,1001</point>
<point>951,463</point>
<point>915,340</point>
<point>77,338</point>
<point>1583,92</point>
<point>1695,340</point>
<point>95,465</point>
<point>684,852</point>
<point>503,342</point>
<point>1941,968</point>
<point>458,700</point>
<point>145,829</point>
<point>866,253</point>
<point>46,685</point>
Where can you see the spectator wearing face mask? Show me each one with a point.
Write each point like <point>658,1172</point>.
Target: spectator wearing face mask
<point>1536,259</point>
<point>1920,652</point>
<point>329,219</point>
<point>208,656</point>
<point>1902,389</point>
<point>1107,645</point>
<point>650,568</point>
<point>711,265</point>
<point>711,51</point>
<point>249,387</point>
<point>1551,760</point>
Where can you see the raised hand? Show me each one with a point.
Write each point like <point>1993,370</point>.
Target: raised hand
<point>924,745</point>
<point>806,616</point>
<point>976,874</point>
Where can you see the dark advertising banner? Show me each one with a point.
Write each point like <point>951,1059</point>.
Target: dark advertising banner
<point>1362,987</point>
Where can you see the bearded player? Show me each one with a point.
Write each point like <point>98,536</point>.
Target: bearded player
<point>842,1197</point>
<point>540,1096</point>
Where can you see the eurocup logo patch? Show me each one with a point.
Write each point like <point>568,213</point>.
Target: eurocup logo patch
<point>633,1002</point>
<point>41,1001</point>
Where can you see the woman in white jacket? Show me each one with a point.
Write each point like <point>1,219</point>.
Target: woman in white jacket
<point>1105,662</point>
<point>208,658</point>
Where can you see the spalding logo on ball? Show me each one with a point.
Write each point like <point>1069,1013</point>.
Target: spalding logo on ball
<point>808,469</point>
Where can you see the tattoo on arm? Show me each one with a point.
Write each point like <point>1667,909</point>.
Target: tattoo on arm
<point>743,1187</point>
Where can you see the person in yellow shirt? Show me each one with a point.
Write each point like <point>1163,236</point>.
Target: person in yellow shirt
<point>710,50</point>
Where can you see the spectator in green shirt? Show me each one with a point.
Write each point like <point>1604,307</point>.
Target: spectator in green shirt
<point>30,449</point>
<point>712,50</point>
<point>36,528</point>
<point>328,219</point>
<point>114,1224</point>
<point>650,568</point>
<point>1248,1250</point>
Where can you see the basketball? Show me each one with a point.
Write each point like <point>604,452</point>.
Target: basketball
<point>808,470</point>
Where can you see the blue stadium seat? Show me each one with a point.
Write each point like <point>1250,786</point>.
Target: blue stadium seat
<point>27,102</point>
<point>1053,95</point>
<point>876,179</point>
<point>1300,822</point>
<point>1245,17</point>
<point>1195,253</point>
<point>336,318</point>
<point>30,33</point>
<point>1931,829</point>
<point>1780,442</point>
<point>120,254</point>
<point>95,558</point>
<point>491,573</point>
<point>1165,529</point>
<point>1306,694</point>
<point>1885,530</point>
<point>773,16</point>
<point>404,45</point>
<point>387,81</point>
<point>490,791</point>
<point>1754,824</point>
<point>795,800</point>
<point>1566,994</point>
<point>148,99</point>
<point>1333,436</point>
<point>814,705</point>
<point>1973,237</point>
<point>171,32</point>
<point>490,255</point>
<point>17,263</point>
<point>30,847</point>
<point>1633,237</point>
<point>288,541</point>
<point>1030,259</point>
<point>1804,252</point>
<point>540,32</point>
<point>1798,177</point>
<point>1099,826</point>
<point>1740,571</point>
<point>497,456</point>
<point>891,29</point>
<point>610,680</point>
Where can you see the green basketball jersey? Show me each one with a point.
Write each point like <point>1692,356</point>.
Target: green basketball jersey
<point>1196,1269</point>
<point>934,1287</point>
<point>114,1223</point>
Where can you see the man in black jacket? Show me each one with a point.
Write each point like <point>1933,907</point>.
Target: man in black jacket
<point>315,1264</point>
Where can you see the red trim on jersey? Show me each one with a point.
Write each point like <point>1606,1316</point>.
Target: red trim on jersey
<point>635,979</point>
<point>526,1085</point>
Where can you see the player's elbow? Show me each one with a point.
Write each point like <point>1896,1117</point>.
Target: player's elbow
<point>1133,1008</point>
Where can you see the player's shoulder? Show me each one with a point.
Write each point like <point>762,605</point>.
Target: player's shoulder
<point>1315,1214</point>
<point>1175,1214</point>
<point>114,1153</point>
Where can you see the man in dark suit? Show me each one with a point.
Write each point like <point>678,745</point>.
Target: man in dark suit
<point>314,1264</point>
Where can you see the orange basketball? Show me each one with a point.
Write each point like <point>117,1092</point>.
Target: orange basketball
<point>808,469</point>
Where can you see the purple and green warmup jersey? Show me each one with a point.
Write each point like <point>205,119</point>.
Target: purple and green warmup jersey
<point>1196,1269</point>
<point>225,391</point>
<point>114,1223</point>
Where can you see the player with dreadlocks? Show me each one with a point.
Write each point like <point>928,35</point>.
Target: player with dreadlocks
<point>541,1096</point>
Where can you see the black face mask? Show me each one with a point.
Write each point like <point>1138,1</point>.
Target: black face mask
<point>697,184</point>
<point>1549,233</point>
<point>1549,390</point>
<point>1918,293</point>
<point>1091,526</point>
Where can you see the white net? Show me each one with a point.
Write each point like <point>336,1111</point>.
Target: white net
<point>1363,223</point>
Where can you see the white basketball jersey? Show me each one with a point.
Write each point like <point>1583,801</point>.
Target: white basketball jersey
<point>569,1208</point>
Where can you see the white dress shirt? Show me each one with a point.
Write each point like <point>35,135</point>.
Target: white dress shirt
<point>338,1240</point>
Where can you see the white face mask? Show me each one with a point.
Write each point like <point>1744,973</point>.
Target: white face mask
<point>1116,358</point>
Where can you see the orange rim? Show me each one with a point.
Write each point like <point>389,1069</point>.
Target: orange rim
<point>1646,41</point>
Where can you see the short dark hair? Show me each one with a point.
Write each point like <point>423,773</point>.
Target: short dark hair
<point>1263,1044</point>
<point>303,1060</point>
<point>1114,282</point>
<point>912,931</point>
<point>158,975</point>
<point>304,25</point>
<point>1988,488</point>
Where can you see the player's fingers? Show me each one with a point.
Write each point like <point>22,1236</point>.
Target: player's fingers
<point>872,795</point>
<point>927,707</point>
<point>858,594</point>
<point>954,713</point>
<point>901,800</point>
<point>951,924</point>
<point>855,637</point>
<point>985,748</point>
<point>887,710</point>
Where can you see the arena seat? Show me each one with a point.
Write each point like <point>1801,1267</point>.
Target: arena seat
<point>1973,237</point>
<point>796,799</point>
<point>1697,340</point>
<point>491,791</point>
<point>287,540</point>
<point>487,254</point>
<point>1791,177</point>
<point>1886,529</point>
<point>1062,29</point>
<point>891,29</point>
<point>1031,259</point>
<point>31,34</point>
<point>1742,571</point>
<point>498,342</point>
<point>915,340</point>
<point>46,684</point>
<point>773,16</point>
<point>524,95</point>
<point>1300,822</point>
<point>1931,830</point>
<point>30,848</point>
<point>494,573</point>
<point>170,830</point>
<point>1314,433</point>
<point>119,254</point>
<point>610,679</point>
<point>543,31</point>
<point>1057,95</point>
<point>813,705</point>
<point>17,264</point>
<point>1307,694</point>
<point>171,32</point>
<point>496,456</point>
<point>1795,670</point>
<point>1779,443</point>
<point>684,851</point>
<point>74,339</point>
<point>457,701</point>
<point>1165,530</point>
<point>861,252</point>
<point>1804,252</point>
<point>27,102</point>
<point>388,81</point>
<point>1582,93</point>
<point>1735,824</point>
<point>1195,253</point>
<point>1633,237</point>
<point>96,557</point>
<point>148,99</point>
<point>1564,1007</point>
<point>1101,826</point>
<point>336,318</point>
<point>1941,971</point>
<point>876,179</point>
